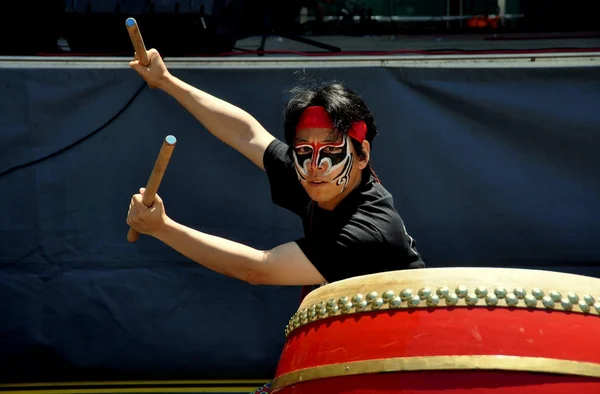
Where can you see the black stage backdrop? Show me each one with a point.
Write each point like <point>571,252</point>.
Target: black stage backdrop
<point>493,167</point>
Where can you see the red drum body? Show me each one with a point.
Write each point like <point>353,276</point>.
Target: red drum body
<point>446,330</point>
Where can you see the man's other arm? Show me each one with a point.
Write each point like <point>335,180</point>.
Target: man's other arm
<point>283,265</point>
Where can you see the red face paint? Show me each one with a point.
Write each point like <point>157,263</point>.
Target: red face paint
<point>326,157</point>
<point>329,162</point>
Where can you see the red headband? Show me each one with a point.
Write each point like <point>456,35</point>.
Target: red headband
<point>317,117</point>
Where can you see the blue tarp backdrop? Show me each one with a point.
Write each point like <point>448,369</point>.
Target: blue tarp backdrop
<point>488,167</point>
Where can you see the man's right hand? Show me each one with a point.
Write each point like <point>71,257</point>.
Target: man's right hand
<point>155,73</point>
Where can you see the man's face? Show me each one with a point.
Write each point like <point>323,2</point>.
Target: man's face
<point>325,163</point>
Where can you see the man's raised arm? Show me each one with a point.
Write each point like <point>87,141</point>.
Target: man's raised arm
<point>230,124</point>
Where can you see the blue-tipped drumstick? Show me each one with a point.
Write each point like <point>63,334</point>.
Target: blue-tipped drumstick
<point>137,41</point>
<point>160,166</point>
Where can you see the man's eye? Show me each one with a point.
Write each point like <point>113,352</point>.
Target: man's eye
<point>331,149</point>
<point>303,150</point>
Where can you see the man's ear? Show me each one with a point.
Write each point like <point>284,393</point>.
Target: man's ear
<point>366,148</point>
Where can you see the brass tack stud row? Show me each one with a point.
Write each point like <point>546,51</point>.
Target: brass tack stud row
<point>536,298</point>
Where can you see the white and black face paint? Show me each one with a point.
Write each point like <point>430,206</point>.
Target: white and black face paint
<point>327,158</point>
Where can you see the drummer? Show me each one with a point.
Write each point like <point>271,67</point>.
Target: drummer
<point>322,173</point>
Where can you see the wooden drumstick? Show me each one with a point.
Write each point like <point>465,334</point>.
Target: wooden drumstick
<point>137,41</point>
<point>160,166</point>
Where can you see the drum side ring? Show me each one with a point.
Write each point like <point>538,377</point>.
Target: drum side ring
<point>440,363</point>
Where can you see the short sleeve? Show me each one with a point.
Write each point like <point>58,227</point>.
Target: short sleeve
<point>356,250</point>
<point>286,190</point>
<point>341,255</point>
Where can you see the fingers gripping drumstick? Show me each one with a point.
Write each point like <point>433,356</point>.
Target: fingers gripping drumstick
<point>136,40</point>
<point>160,166</point>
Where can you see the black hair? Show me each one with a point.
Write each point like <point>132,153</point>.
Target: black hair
<point>343,105</point>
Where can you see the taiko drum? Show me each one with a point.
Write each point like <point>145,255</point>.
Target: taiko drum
<point>450,330</point>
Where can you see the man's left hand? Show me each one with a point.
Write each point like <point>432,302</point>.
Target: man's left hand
<point>146,220</point>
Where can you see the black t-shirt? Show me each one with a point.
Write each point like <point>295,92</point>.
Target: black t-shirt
<point>362,235</point>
